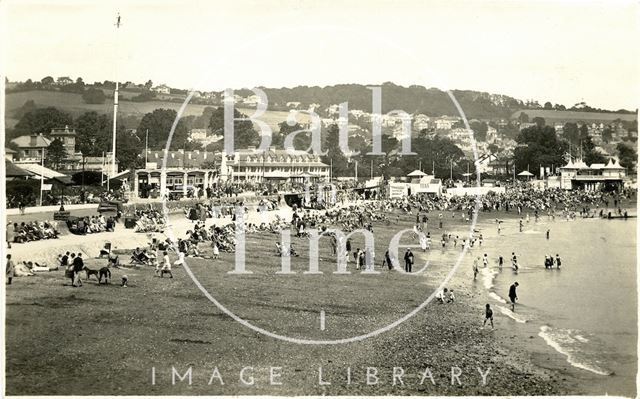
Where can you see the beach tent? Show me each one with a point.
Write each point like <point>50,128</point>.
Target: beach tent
<point>417,173</point>
<point>526,174</point>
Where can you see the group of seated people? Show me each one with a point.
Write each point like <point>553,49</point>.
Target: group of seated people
<point>32,231</point>
<point>149,221</point>
<point>93,224</point>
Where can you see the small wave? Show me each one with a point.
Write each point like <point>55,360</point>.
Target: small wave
<point>581,338</point>
<point>488,275</point>
<point>531,232</point>
<point>512,315</point>
<point>566,343</point>
<point>497,297</point>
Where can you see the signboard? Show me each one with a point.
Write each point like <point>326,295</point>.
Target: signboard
<point>61,215</point>
<point>47,187</point>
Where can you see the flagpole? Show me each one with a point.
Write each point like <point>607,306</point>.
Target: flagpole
<point>115,109</point>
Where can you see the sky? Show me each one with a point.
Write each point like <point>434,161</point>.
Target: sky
<point>562,51</point>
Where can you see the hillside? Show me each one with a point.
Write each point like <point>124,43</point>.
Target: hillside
<point>73,104</point>
<point>551,116</point>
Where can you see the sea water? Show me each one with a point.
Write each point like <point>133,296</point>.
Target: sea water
<point>587,309</point>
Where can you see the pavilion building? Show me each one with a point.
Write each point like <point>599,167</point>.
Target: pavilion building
<point>578,175</point>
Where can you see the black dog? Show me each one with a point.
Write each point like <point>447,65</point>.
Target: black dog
<point>106,273</point>
<point>91,272</point>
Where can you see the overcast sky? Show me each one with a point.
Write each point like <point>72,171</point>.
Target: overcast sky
<point>563,51</point>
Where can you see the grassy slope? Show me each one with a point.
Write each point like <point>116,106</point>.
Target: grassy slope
<point>73,104</point>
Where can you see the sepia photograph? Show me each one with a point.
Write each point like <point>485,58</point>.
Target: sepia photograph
<point>285,198</point>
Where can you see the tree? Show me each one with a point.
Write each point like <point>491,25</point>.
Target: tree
<point>538,146</point>
<point>494,149</point>
<point>42,120</point>
<point>148,85</point>
<point>607,134</point>
<point>627,156</point>
<point>523,118</point>
<point>129,149</point>
<point>548,105</point>
<point>47,81</point>
<point>539,121</point>
<point>94,133</point>
<point>93,96</point>
<point>571,133</point>
<point>56,153</point>
<point>159,123</point>
<point>335,155</point>
<point>479,130</point>
<point>28,106</point>
<point>244,133</point>
<point>301,141</point>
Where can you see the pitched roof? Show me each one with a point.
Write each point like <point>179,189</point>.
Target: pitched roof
<point>12,170</point>
<point>25,141</point>
<point>40,170</point>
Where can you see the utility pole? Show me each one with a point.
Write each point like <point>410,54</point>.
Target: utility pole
<point>372,169</point>
<point>331,170</point>
<point>42,177</point>
<point>146,149</point>
<point>356,172</point>
<point>451,171</point>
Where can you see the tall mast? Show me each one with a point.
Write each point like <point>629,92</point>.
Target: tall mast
<point>114,171</point>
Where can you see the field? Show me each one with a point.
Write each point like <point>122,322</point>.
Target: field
<point>105,339</point>
<point>73,103</point>
<point>551,116</point>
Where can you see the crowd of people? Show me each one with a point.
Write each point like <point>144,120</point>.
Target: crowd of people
<point>31,231</point>
<point>92,224</point>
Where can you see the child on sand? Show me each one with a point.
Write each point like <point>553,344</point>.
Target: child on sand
<point>166,268</point>
<point>488,315</point>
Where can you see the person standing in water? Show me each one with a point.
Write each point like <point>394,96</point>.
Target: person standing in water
<point>558,261</point>
<point>475,267</point>
<point>514,261</point>
<point>500,261</point>
<point>548,232</point>
<point>513,295</point>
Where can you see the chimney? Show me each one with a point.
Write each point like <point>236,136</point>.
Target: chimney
<point>33,140</point>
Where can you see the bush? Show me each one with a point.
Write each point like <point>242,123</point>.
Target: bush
<point>94,96</point>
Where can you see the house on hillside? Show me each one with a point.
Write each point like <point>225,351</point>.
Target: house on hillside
<point>64,80</point>
<point>162,89</point>
<point>198,135</point>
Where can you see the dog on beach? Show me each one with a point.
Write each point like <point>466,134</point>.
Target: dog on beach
<point>106,273</point>
<point>91,272</point>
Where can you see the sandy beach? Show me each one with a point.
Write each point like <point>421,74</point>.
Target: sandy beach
<point>170,323</point>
